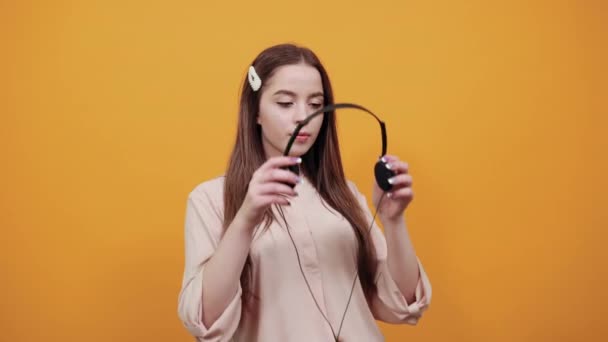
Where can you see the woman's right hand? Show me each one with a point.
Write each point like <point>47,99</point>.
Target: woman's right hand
<point>267,186</point>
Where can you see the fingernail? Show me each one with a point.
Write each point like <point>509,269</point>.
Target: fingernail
<point>391,180</point>
<point>388,166</point>
<point>388,194</point>
<point>297,159</point>
<point>383,159</point>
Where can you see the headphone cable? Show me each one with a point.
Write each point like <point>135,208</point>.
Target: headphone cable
<point>336,336</point>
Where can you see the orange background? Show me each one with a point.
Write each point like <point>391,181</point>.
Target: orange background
<point>112,111</point>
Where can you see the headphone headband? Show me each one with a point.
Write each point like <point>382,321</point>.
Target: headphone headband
<point>331,108</point>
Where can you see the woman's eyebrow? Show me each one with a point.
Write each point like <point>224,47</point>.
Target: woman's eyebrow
<point>317,94</point>
<point>284,92</point>
<point>291,93</point>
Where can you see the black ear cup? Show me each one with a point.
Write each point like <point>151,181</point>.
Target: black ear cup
<point>383,174</point>
<point>295,169</point>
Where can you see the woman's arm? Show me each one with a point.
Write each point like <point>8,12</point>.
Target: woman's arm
<point>223,270</point>
<point>268,186</point>
<point>401,257</point>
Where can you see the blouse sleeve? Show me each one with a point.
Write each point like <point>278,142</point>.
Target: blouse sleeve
<point>203,228</point>
<point>389,304</point>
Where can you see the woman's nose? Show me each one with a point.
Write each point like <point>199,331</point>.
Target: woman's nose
<point>301,113</point>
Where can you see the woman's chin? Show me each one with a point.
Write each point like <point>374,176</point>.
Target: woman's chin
<point>298,151</point>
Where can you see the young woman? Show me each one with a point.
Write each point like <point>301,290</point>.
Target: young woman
<point>273,256</point>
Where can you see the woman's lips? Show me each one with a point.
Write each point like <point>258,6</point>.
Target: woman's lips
<point>302,137</point>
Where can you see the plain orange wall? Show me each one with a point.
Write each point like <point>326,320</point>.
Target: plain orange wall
<point>112,111</point>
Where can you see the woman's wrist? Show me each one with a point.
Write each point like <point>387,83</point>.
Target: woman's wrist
<point>243,223</point>
<point>397,221</point>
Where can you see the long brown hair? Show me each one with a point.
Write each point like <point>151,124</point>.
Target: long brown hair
<point>322,164</point>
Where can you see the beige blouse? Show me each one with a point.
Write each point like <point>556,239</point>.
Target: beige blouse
<point>285,310</point>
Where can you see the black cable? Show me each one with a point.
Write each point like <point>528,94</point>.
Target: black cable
<point>357,273</point>
<point>336,336</point>
<point>302,271</point>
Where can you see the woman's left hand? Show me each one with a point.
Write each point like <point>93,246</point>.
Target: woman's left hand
<point>399,197</point>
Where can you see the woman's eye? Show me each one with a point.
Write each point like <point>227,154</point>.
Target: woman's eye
<point>316,105</point>
<point>284,104</point>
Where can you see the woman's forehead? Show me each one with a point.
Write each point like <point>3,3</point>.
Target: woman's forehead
<point>296,78</point>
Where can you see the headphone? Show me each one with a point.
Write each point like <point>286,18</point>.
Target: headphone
<point>381,173</point>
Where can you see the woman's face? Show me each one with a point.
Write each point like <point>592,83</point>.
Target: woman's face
<point>288,97</point>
